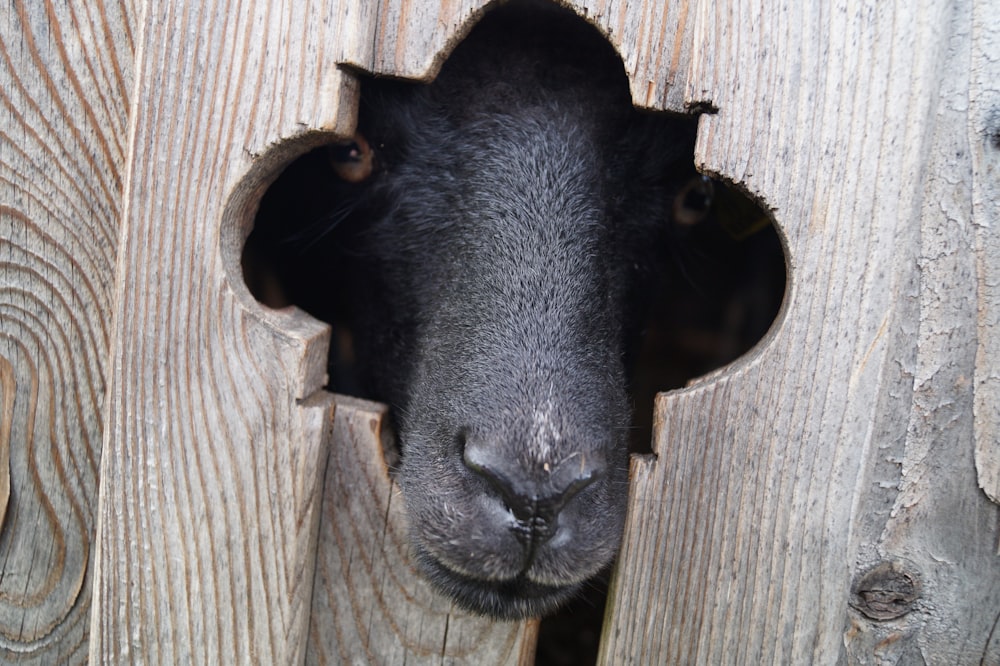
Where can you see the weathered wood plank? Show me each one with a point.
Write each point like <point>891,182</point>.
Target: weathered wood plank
<point>215,443</point>
<point>413,39</point>
<point>846,439</point>
<point>941,526</point>
<point>65,87</point>
<point>984,144</point>
<point>370,605</point>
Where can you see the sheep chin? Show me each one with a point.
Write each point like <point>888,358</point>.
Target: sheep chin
<point>510,600</point>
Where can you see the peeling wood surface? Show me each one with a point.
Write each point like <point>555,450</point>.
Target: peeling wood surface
<point>846,440</point>
<point>370,606</point>
<point>984,145</point>
<point>66,79</point>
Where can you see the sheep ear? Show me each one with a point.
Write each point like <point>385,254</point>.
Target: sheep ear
<point>352,160</point>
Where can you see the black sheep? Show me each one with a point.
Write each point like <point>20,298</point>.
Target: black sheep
<point>500,252</point>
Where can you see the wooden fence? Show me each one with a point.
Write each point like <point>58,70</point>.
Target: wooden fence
<point>177,488</point>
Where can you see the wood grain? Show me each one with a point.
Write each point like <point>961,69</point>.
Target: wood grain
<point>66,78</point>
<point>413,39</point>
<point>846,439</point>
<point>216,437</point>
<point>370,605</point>
<point>984,146</point>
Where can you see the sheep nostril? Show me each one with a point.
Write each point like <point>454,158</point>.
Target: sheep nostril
<point>534,499</point>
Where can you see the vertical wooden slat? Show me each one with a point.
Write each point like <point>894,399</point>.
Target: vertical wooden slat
<point>844,442</point>
<point>984,144</point>
<point>215,446</point>
<point>66,77</point>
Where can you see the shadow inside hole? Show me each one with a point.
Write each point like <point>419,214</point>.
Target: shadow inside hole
<point>718,295</point>
<point>717,299</point>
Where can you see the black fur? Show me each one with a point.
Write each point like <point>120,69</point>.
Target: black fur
<point>502,252</point>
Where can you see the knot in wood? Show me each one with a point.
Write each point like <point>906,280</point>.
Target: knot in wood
<point>887,591</point>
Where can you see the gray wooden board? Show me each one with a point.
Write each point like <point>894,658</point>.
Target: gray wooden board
<point>216,436</point>
<point>66,81</point>
<point>827,480</point>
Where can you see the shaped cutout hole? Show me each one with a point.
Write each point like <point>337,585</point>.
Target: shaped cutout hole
<point>720,291</point>
<point>716,289</point>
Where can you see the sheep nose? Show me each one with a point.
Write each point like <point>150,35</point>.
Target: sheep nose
<point>535,496</point>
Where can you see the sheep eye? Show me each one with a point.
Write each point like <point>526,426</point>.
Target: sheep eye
<point>693,202</point>
<point>352,160</point>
